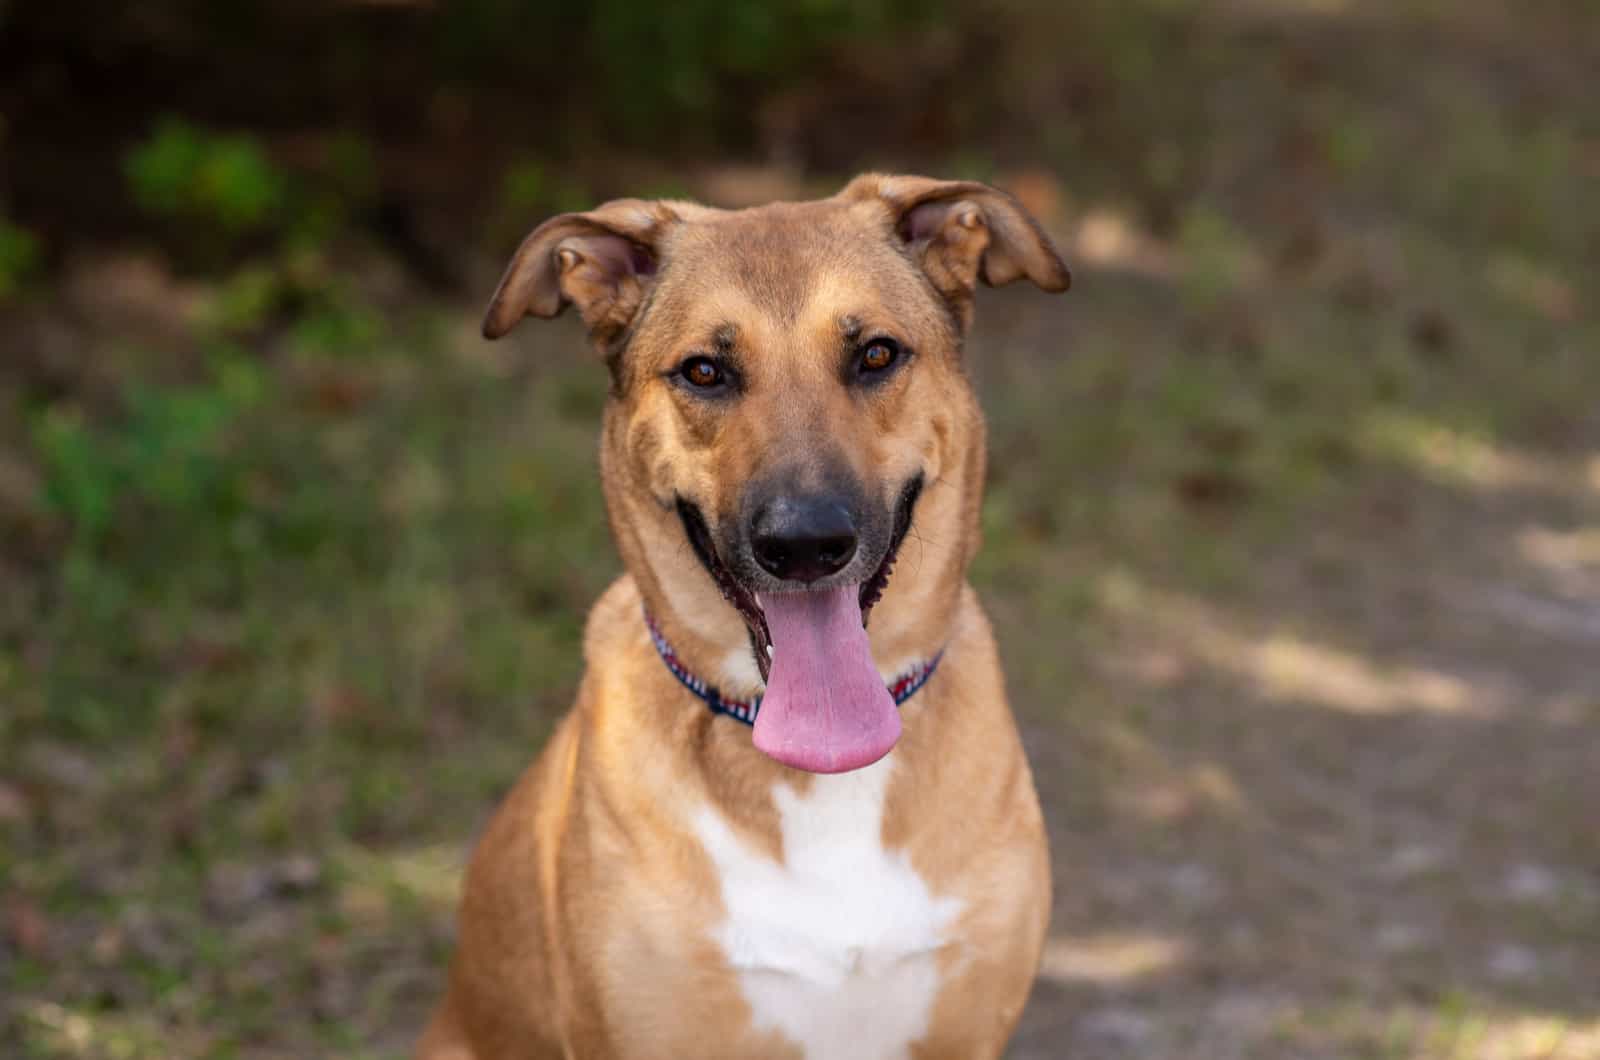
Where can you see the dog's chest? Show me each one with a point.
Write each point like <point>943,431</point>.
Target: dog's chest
<point>838,947</point>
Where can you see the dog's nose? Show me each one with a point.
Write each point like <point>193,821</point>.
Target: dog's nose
<point>803,539</point>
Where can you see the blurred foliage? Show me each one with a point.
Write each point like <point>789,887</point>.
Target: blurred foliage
<point>647,66</point>
<point>248,509</point>
<point>684,63</point>
<point>169,465</point>
<point>226,181</point>
<point>217,193</point>
<point>19,255</point>
<point>530,185</point>
<point>167,455</point>
<point>493,110</point>
<point>657,71</point>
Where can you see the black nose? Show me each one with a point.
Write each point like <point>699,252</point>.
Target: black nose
<point>803,538</point>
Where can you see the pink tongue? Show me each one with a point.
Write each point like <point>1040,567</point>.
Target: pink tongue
<point>825,710</point>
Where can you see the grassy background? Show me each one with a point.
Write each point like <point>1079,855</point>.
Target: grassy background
<point>1293,533</point>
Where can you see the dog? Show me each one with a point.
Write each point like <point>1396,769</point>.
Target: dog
<point>789,814</point>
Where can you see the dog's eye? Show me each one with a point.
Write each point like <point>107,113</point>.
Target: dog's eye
<point>878,355</point>
<point>701,372</point>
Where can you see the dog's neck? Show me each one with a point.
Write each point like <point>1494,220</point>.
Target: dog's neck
<point>908,629</point>
<point>902,686</point>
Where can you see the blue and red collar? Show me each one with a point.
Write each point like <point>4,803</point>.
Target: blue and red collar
<point>901,688</point>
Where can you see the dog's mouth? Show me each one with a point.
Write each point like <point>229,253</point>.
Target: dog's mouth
<point>743,598</point>
<point>825,709</point>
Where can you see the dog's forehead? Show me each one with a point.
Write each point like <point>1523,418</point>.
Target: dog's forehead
<point>781,256</point>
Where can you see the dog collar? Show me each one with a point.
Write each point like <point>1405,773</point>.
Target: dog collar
<point>901,688</point>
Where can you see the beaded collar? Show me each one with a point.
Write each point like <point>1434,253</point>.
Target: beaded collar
<point>901,688</point>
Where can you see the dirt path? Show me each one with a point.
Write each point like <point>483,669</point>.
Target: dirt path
<point>1349,806</point>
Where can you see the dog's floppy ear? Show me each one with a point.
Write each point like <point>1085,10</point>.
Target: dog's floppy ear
<point>962,231</point>
<point>600,261</point>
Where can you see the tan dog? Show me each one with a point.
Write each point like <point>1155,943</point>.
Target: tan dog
<point>788,409</point>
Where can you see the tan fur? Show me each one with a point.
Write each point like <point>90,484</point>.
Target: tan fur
<point>585,925</point>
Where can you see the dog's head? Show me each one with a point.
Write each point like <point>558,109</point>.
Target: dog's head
<point>788,403</point>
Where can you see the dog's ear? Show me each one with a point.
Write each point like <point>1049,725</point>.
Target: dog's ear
<point>601,261</point>
<point>961,231</point>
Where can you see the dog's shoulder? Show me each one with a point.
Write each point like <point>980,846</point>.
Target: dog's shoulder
<point>615,621</point>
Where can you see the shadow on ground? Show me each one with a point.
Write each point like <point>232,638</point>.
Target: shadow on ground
<point>1330,795</point>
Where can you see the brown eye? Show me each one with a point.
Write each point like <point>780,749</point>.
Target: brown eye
<point>879,354</point>
<point>701,372</point>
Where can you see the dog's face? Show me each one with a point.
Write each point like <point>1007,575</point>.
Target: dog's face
<point>788,400</point>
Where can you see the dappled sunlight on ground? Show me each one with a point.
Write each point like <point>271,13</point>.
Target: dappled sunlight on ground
<point>1452,457</point>
<point>1574,552</point>
<point>1461,1032</point>
<point>1110,959</point>
<point>82,1031</point>
<point>1170,793</point>
<point>1288,667</point>
<point>1301,7</point>
<point>430,874</point>
<point>1107,238</point>
<point>1281,665</point>
<point>1238,1023</point>
<point>1534,286</point>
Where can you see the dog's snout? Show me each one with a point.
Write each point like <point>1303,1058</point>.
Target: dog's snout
<point>803,539</point>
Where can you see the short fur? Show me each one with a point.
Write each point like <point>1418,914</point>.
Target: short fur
<point>588,922</point>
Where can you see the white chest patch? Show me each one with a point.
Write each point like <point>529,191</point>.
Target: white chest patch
<point>836,948</point>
